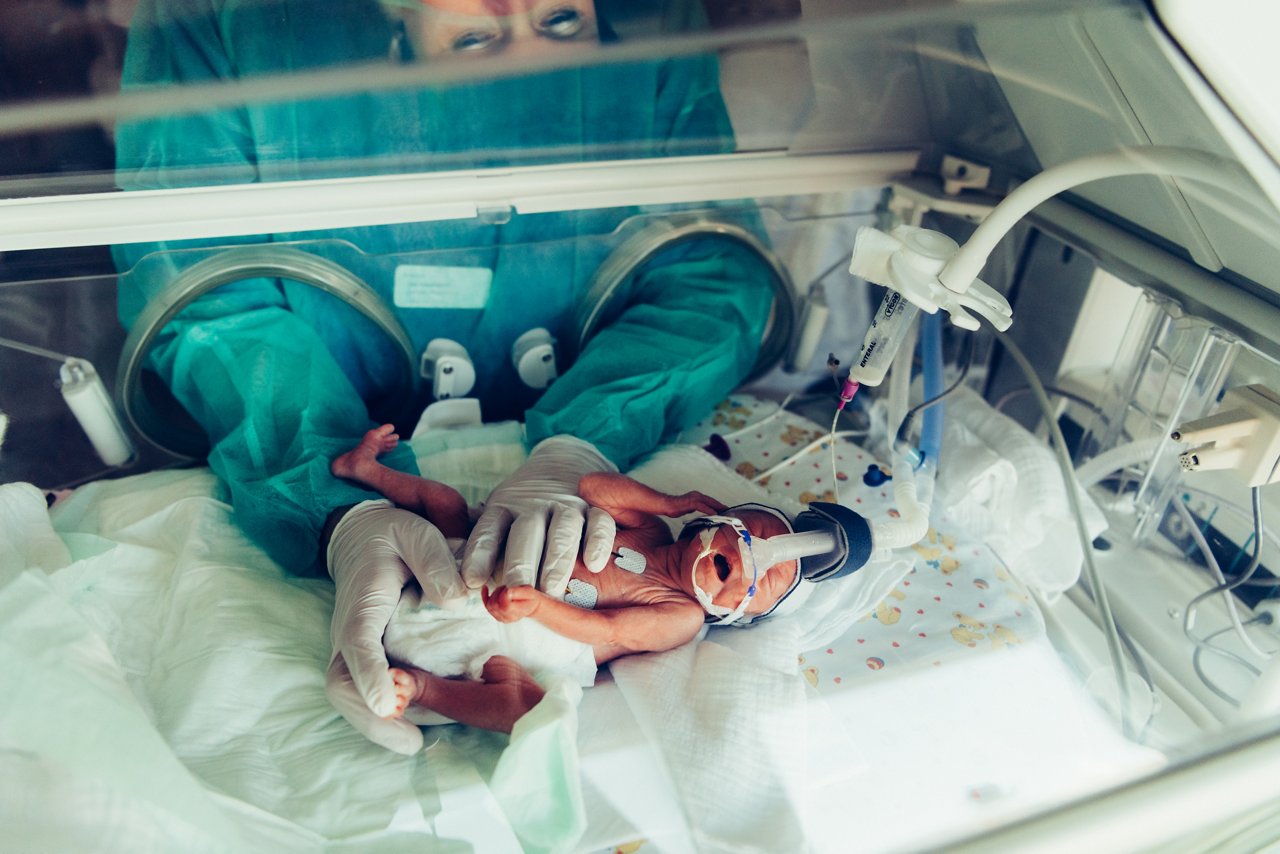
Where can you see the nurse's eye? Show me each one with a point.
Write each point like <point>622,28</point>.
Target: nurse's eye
<point>562,22</point>
<point>722,567</point>
<point>472,41</point>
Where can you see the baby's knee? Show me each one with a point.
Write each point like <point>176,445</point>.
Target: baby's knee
<point>523,690</point>
<point>448,509</point>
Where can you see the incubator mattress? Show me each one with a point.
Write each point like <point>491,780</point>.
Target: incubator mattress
<point>952,710</point>
<point>162,686</point>
<point>957,600</point>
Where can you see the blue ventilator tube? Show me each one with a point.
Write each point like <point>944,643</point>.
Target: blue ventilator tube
<point>931,359</point>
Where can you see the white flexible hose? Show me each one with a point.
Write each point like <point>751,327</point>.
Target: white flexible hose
<point>1219,172</point>
<point>1116,459</point>
<point>913,517</point>
<point>912,522</point>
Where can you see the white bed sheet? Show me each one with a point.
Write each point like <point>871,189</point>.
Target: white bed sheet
<point>159,671</point>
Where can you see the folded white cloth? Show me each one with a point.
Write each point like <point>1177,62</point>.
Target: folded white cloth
<point>1001,483</point>
<point>29,540</point>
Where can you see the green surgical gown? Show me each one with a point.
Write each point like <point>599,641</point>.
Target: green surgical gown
<point>283,377</point>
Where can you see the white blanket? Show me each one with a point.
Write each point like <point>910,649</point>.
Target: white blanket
<point>737,744</point>
<point>161,688</point>
<point>161,669</point>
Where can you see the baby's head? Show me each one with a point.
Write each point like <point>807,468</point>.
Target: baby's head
<point>731,585</point>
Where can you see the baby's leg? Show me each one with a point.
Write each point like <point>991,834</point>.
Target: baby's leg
<point>441,505</point>
<point>505,695</point>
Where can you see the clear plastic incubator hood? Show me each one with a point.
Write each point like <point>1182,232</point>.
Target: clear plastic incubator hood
<point>1000,277</point>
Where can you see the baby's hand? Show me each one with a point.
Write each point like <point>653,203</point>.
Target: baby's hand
<point>508,604</point>
<point>697,502</point>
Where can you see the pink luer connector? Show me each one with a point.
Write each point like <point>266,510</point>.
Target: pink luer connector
<point>850,388</point>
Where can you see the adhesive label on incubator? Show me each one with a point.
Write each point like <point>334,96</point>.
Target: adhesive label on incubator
<point>422,286</point>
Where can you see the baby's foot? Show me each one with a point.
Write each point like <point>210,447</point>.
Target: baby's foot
<point>523,691</point>
<point>377,441</point>
<point>405,683</point>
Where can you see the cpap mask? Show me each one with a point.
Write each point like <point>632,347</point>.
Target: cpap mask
<point>827,540</point>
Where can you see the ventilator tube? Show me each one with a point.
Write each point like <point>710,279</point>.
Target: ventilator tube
<point>83,391</point>
<point>912,522</point>
<point>784,547</point>
<point>888,330</point>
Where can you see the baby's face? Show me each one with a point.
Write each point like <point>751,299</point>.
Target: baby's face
<point>722,574</point>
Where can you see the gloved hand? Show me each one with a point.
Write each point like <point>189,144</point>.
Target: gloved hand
<point>538,513</point>
<point>374,551</point>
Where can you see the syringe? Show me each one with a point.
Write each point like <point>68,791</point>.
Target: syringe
<point>888,330</point>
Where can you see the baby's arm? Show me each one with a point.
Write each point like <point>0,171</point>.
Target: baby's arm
<point>634,505</point>
<point>612,632</point>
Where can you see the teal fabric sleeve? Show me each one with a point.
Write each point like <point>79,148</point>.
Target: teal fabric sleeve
<point>283,378</point>
<point>275,404</point>
<point>690,335</point>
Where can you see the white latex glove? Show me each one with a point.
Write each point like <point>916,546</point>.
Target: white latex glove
<point>538,513</point>
<point>374,551</point>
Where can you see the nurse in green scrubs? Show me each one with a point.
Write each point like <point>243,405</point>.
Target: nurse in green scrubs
<point>282,377</point>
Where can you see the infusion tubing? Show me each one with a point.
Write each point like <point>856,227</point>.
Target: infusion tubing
<point>1093,578</point>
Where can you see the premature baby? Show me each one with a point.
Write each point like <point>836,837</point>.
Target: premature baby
<point>653,595</point>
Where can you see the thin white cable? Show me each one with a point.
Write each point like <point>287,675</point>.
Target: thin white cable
<point>34,350</point>
<point>1180,506</point>
<point>782,407</point>
<point>806,449</point>
<point>1232,507</point>
<point>835,475</point>
<point>1109,628</point>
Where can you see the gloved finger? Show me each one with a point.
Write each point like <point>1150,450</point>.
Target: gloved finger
<point>564,539</point>
<point>524,548</point>
<point>367,662</point>
<point>369,575</point>
<point>394,734</point>
<point>480,558</point>
<point>428,556</point>
<point>598,542</point>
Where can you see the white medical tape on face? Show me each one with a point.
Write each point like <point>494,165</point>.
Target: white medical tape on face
<point>726,615</point>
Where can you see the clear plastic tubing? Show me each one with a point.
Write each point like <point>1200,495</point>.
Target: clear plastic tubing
<point>888,329</point>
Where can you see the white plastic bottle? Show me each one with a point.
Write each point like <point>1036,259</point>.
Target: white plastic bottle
<point>84,392</point>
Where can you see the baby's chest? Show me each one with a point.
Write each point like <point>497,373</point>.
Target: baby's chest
<point>623,581</point>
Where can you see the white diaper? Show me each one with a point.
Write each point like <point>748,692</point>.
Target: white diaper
<point>458,641</point>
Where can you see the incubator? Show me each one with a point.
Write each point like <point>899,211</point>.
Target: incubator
<point>1000,277</point>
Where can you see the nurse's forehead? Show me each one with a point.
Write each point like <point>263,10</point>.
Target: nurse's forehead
<point>472,7</point>
<point>480,7</point>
